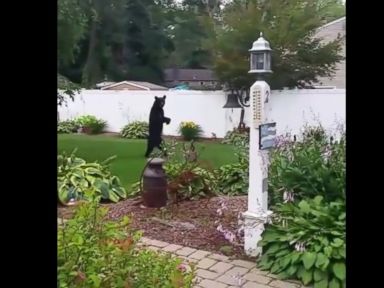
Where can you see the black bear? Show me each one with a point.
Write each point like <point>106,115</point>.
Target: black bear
<point>156,120</point>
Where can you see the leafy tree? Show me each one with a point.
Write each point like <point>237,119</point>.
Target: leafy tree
<point>106,21</point>
<point>71,27</point>
<point>298,58</point>
<point>122,40</point>
<point>192,32</point>
<point>66,89</point>
<point>132,39</point>
<point>146,43</point>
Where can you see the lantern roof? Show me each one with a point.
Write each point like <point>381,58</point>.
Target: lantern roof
<point>260,44</point>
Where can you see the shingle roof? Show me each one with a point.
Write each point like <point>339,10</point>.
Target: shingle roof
<point>140,84</point>
<point>149,85</point>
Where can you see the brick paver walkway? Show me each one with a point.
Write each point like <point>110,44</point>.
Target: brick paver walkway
<point>218,271</point>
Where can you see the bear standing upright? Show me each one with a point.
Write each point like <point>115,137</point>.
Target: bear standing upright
<point>156,120</point>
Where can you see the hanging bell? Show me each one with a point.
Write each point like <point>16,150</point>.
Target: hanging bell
<point>232,101</point>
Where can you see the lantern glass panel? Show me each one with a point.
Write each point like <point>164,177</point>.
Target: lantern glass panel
<point>257,61</point>
<point>253,61</point>
<point>260,61</point>
<point>267,61</point>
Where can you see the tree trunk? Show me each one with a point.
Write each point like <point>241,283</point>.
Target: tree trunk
<point>92,67</point>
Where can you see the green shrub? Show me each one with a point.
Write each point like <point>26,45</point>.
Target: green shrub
<point>134,190</point>
<point>75,176</point>
<point>306,241</point>
<point>235,136</point>
<point>190,130</point>
<point>190,181</point>
<point>135,130</point>
<point>91,125</point>
<point>232,178</point>
<point>94,252</point>
<point>315,165</point>
<point>66,127</point>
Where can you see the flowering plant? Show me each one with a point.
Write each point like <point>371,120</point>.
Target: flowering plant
<point>306,241</point>
<point>234,233</point>
<point>96,252</point>
<point>190,130</point>
<point>312,165</point>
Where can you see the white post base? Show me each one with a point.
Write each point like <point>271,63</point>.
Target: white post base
<point>253,227</point>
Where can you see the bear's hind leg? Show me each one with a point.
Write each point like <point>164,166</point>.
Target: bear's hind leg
<point>149,149</point>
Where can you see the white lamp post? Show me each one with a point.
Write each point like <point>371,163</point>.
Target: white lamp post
<point>261,138</point>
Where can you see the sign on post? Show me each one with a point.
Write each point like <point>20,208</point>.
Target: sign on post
<point>267,135</point>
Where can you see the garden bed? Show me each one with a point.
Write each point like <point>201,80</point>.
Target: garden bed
<point>171,224</point>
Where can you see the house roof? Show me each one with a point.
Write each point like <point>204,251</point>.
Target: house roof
<point>342,19</point>
<point>151,86</point>
<point>103,84</point>
<point>175,74</point>
<point>139,84</point>
<point>332,30</point>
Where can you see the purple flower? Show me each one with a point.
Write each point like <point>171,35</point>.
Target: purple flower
<point>288,197</point>
<point>228,235</point>
<point>300,246</point>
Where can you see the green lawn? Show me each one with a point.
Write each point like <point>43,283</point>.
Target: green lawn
<point>130,153</point>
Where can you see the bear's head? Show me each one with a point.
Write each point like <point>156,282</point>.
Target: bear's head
<point>159,101</point>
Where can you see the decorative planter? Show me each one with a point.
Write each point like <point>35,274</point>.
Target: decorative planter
<point>86,130</point>
<point>155,184</point>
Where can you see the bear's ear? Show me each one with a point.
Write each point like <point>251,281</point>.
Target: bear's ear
<point>164,96</point>
<point>156,98</point>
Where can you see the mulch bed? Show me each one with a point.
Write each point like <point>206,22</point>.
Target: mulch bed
<point>189,223</point>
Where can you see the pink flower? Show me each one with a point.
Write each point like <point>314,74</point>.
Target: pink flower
<point>220,228</point>
<point>182,267</point>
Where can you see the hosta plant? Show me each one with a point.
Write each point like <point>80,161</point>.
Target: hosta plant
<point>135,130</point>
<point>306,241</point>
<point>235,136</point>
<point>75,176</point>
<point>189,181</point>
<point>313,165</point>
<point>232,178</point>
<point>96,252</point>
<point>134,190</point>
<point>66,127</point>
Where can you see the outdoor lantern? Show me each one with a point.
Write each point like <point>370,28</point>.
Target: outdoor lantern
<point>260,56</point>
<point>232,101</point>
